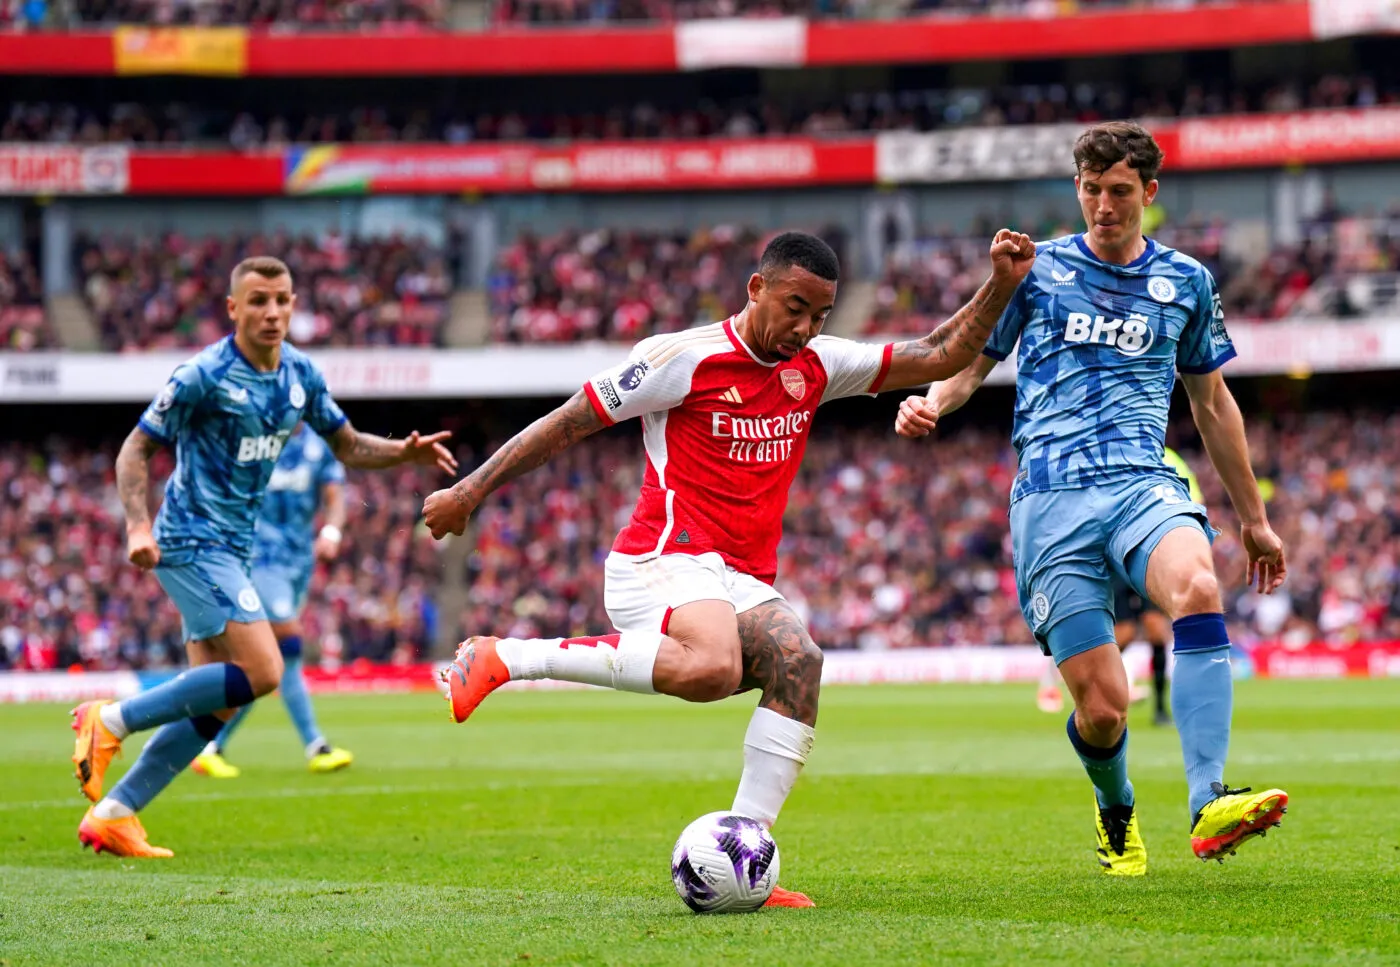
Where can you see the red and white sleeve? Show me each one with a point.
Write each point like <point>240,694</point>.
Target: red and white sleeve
<point>647,382</point>
<point>852,368</point>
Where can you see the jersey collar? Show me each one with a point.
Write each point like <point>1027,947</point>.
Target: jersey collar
<point>740,344</point>
<point>1143,259</point>
<point>263,373</point>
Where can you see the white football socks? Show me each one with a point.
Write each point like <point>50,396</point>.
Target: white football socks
<point>624,661</point>
<point>109,808</point>
<point>1050,676</point>
<point>775,750</point>
<point>111,716</point>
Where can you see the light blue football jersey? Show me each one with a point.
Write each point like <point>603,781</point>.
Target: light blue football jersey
<point>228,423</point>
<point>283,530</point>
<point>1100,346</point>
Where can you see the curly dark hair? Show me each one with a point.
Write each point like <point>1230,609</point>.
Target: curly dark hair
<point>1104,145</point>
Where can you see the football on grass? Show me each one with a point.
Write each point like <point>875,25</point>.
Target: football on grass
<point>724,863</point>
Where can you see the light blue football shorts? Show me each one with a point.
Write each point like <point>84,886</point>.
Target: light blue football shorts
<point>211,589</point>
<point>1069,545</point>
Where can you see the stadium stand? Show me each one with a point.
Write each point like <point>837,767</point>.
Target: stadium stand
<point>23,323</point>
<point>69,597</point>
<point>681,115</point>
<point>169,291</point>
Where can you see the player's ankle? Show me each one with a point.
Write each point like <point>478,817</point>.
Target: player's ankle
<point>111,716</point>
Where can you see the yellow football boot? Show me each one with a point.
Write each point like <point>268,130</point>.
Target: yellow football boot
<point>1232,817</point>
<point>1121,849</point>
<point>332,761</point>
<point>215,766</point>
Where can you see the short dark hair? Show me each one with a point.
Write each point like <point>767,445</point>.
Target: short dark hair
<point>802,250</point>
<point>1104,145</point>
<point>264,265</point>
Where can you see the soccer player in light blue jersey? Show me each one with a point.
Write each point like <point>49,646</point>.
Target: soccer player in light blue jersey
<point>1105,321</point>
<point>307,479</point>
<point>228,413</point>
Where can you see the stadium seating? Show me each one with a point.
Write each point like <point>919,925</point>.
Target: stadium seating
<point>888,544</point>
<point>680,115</point>
<point>23,324</point>
<point>169,291</point>
<point>68,595</point>
<point>618,285</point>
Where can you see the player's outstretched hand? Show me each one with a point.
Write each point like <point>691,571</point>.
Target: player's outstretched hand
<point>429,450</point>
<point>1013,254</point>
<point>1267,567</point>
<point>142,549</point>
<point>918,415</point>
<point>445,512</point>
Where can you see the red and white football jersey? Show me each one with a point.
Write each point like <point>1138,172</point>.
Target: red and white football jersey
<point>724,434</point>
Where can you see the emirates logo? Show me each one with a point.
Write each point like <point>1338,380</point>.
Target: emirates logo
<point>793,382</point>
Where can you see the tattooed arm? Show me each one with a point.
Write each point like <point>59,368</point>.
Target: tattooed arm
<point>134,489</point>
<point>446,511</point>
<point>781,660</point>
<point>952,346</point>
<point>366,451</point>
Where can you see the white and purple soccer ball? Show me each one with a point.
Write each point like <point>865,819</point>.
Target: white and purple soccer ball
<point>725,863</point>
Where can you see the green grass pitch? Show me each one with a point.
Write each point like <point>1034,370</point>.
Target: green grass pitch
<point>933,824</point>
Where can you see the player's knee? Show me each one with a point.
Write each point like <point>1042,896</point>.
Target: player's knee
<point>715,677</point>
<point>264,673</point>
<point>1199,595</point>
<point>1104,719</point>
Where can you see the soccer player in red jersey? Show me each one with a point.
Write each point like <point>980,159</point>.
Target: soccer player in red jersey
<point>726,410</point>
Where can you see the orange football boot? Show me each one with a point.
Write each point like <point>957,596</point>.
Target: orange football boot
<point>788,898</point>
<point>476,672</point>
<point>94,748</point>
<point>120,837</point>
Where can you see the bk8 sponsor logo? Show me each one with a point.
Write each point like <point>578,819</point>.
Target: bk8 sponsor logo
<point>1132,336</point>
<point>265,447</point>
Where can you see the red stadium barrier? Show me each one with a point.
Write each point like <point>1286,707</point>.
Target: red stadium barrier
<point>964,154</point>
<point>407,51</point>
<point>1365,659</point>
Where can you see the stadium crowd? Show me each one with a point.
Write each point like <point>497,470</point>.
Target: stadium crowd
<point>594,11</point>
<point>272,14</point>
<point>168,291</point>
<point>888,544</point>
<point>914,109</point>
<point>621,285</point>
<point>69,597</point>
<point>23,323</point>
<point>891,544</point>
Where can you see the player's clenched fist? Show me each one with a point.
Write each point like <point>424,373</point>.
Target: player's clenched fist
<point>1013,254</point>
<point>446,512</point>
<point>918,415</point>
<point>142,549</point>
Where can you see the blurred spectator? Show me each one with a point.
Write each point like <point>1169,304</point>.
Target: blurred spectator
<point>169,291</point>
<point>619,285</point>
<point>313,14</point>
<point>880,110</point>
<point>23,324</point>
<point>68,595</point>
<point>890,544</point>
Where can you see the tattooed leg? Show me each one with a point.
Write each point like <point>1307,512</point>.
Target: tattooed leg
<point>781,660</point>
<point>785,665</point>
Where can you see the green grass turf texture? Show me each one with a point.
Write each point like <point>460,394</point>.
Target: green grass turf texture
<point>933,824</point>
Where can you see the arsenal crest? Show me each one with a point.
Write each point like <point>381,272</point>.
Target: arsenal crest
<point>794,383</point>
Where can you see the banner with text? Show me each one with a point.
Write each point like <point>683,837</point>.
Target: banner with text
<point>207,51</point>
<point>61,170</point>
<point>607,166</point>
<point>1266,348</point>
<point>1343,18</point>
